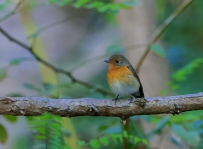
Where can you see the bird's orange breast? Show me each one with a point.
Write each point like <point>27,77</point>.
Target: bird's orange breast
<point>115,74</point>
<point>122,81</point>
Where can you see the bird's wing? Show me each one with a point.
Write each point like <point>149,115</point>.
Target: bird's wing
<point>141,92</point>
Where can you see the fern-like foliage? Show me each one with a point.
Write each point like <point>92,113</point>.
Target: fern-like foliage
<point>112,139</point>
<point>48,134</point>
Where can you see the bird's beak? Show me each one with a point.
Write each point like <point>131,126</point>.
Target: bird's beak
<point>107,61</point>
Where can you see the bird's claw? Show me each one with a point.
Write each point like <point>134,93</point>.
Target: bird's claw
<point>140,102</point>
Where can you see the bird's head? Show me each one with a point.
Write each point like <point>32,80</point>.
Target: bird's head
<point>116,61</point>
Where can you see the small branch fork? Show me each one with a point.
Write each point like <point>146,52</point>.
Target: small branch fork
<point>32,106</point>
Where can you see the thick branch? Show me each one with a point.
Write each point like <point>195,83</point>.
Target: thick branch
<point>31,106</point>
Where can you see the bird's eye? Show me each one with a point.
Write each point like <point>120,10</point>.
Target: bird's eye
<point>117,61</point>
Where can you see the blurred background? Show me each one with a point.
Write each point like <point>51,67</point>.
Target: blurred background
<point>77,36</point>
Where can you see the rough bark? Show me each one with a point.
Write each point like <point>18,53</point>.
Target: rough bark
<point>31,106</point>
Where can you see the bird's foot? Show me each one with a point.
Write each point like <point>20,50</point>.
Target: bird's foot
<point>130,100</point>
<point>116,99</point>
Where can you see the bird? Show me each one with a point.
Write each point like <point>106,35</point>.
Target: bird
<point>122,78</point>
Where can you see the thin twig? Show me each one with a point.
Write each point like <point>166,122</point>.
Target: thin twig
<point>58,70</point>
<point>161,29</point>
<point>12,12</point>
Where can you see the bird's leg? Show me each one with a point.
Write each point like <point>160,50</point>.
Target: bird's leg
<point>130,100</point>
<point>116,99</point>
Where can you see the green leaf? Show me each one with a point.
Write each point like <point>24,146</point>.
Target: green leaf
<point>115,138</point>
<point>10,118</point>
<point>40,137</point>
<point>3,74</point>
<point>95,144</point>
<point>18,61</point>
<point>161,5</point>
<point>158,50</point>
<point>64,2</point>
<point>103,8</point>
<point>94,5</point>
<point>104,140</point>
<point>136,140</point>
<point>80,143</point>
<point>182,73</point>
<point>80,3</point>
<point>15,95</point>
<point>145,141</point>
<point>40,130</point>
<point>114,7</point>
<point>3,134</point>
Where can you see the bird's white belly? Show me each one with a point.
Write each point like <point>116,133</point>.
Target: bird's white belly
<point>123,88</point>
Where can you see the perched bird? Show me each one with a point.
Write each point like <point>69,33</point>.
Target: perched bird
<point>122,78</point>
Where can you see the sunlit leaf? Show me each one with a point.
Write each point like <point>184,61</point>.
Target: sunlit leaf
<point>136,140</point>
<point>145,141</point>
<point>95,144</point>
<point>104,140</point>
<point>161,5</point>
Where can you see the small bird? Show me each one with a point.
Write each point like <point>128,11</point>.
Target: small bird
<point>122,78</point>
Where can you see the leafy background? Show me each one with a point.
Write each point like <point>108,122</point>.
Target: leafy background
<point>78,35</point>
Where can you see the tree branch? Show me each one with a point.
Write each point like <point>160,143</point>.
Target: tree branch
<point>32,106</point>
<point>56,69</point>
<point>161,29</point>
